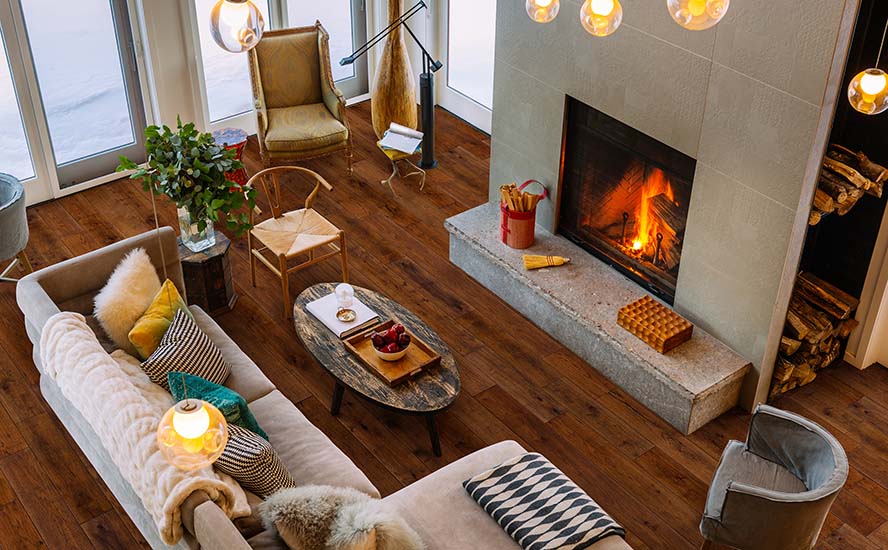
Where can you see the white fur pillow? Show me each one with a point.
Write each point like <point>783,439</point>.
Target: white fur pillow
<point>319,517</point>
<point>125,297</point>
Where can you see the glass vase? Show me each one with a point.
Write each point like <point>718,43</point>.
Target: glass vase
<point>192,238</point>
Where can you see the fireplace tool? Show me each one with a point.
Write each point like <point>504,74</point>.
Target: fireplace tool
<point>657,250</point>
<point>625,221</point>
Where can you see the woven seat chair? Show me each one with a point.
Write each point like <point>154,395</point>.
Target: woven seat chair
<point>286,236</point>
<point>13,227</point>
<point>301,114</point>
<point>774,491</point>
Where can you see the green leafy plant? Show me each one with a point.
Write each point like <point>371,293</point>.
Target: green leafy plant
<point>190,168</point>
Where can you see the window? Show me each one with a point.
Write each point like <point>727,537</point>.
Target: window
<point>15,157</point>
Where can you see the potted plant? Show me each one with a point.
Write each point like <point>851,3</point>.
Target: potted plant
<point>191,169</point>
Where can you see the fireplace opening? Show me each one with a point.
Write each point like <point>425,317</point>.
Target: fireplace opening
<point>624,197</point>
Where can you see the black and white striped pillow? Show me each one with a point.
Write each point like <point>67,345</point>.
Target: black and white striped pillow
<point>252,461</point>
<point>539,506</point>
<point>185,348</point>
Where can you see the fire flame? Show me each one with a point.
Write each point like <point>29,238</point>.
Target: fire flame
<point>645,226</point>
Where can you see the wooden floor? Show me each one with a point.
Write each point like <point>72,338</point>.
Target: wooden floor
<point>518,383</point>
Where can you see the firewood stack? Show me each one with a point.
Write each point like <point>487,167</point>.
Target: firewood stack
<point>818,323</point>
<point>846,176</point>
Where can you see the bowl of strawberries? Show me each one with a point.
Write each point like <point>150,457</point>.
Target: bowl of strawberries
<point>391,344</point>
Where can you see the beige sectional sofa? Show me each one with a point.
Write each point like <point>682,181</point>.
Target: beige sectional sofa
<point>436,506</point>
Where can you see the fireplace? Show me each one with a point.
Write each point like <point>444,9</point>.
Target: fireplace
<point>624,197</point>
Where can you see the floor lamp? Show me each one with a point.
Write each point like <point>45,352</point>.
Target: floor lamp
<point>426,81</point>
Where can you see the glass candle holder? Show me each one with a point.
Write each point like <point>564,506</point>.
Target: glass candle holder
<point>345,299</point>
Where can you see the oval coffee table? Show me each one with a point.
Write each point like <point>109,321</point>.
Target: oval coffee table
<point>426,395</point>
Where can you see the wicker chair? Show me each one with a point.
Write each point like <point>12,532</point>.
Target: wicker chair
<point>300,112</point>
<point>13,227</point>
<point>288,235</point>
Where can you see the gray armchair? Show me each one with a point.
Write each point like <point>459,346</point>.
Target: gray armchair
<point>13,226</point>
<point>774,491</point>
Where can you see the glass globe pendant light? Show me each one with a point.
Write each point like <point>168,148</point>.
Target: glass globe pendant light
<point>236,25</point>
<point>192,434</point>
<point>697,15</point>
<point>601,17</point>
<point>868,91</point>
<point>542,11</point>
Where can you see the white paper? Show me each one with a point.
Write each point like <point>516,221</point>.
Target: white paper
<point>400,138</point>
<point>324,309</point>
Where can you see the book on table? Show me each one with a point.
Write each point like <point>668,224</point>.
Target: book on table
<point>324,309</point>
<point>400,138</point>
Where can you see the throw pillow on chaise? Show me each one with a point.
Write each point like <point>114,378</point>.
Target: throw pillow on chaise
<point>230,403</point>
<point>185,348</point>
<point>125,297</point>
<point>319,517</point>
<point>153,324</point>
<point>253,462</point>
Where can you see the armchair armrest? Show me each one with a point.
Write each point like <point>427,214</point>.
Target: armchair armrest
<point>40,294</point>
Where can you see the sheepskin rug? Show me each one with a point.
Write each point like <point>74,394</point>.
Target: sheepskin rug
<point>125,297</point>
<point>319,517</point>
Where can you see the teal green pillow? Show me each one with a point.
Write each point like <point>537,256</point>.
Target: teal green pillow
<point>232,406</point>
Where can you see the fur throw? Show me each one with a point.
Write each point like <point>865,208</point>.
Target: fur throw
<point>125,297</point>
<point>319,517</point>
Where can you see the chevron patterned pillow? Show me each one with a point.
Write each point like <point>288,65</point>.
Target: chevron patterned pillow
<point>539,506</point>
<point>185,348</point>
<point>252,461</point>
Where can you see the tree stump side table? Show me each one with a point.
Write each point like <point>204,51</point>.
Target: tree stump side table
<point>207,275</point>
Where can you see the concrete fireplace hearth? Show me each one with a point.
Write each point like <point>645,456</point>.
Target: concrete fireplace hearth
<point>750,100</point>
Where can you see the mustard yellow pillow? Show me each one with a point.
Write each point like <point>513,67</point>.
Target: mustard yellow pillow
<point>153,324</point>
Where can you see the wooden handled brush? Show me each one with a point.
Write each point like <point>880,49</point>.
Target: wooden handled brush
<point>539,262</point>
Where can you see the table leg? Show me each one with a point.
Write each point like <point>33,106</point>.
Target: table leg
<point>338,392</point>
<point>433,433</point>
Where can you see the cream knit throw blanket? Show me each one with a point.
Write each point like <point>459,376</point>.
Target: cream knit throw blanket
<point>124,408</point>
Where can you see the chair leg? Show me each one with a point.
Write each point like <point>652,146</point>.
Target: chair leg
<point>343,254</point>
<point>285,287</point>
<point>350,156</point>
<point>252,259</point>
<point>23,258</point>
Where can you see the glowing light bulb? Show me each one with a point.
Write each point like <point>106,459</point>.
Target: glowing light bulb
<point>697,15</point>
<point>601,17</point>
<point>542,11</point>
<point>868,92</point>
<point>192,434</point>
<point>236,25</point>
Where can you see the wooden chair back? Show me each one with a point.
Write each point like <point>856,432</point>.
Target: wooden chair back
<point>270,184</point>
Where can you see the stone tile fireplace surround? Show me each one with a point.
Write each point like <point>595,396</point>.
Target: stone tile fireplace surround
<point>751,100</point>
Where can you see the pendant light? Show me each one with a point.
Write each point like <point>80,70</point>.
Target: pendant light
<point>542,11</point>
<point>868,92</point>
<point>236,25</point>
<point>192,434</point>
<point>697,15</point>
<point>601,17</point>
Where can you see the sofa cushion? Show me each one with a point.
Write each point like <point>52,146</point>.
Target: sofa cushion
<point>305,128</point>
<point>253,462</point>
<point>230,403</point>
<point>539,506</point>
<point>245,378</point>
<point>309,454</point>
<point>185,348</point>
<point>153,324</point>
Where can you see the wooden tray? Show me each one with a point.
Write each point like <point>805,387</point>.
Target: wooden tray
<point>420,357</point>
<point>655,324</point>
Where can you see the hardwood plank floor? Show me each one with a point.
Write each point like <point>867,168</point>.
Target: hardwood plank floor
<point>518,382</point>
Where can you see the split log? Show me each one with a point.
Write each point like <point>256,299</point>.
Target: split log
<point>783,371</point>
<point>807,323</point>
<point>846,207</point>
<point>669,214</point>
<point>850,174</point>
<point>874,172</point>
<point>835,189</point>
<point>825,296</point>
<point>847,326</point>
<point>788,345</point>
<point>823,202</point>
<point>815,217</point>
<point>837,180</point>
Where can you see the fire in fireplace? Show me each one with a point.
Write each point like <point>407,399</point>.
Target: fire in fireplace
<point>624,197</point>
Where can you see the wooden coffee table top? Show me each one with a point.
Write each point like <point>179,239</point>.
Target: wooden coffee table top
<point>429,392</point>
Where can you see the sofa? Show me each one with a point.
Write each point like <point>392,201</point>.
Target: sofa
<point>436,506</point>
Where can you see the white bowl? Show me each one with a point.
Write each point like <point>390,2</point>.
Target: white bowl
<point>391,356</point>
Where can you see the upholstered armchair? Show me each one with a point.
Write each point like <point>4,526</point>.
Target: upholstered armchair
<point>300,112</point>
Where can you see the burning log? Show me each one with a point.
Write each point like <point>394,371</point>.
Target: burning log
<point>669,215</point>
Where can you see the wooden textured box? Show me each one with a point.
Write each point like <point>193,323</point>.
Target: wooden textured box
<point>655,324</point>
